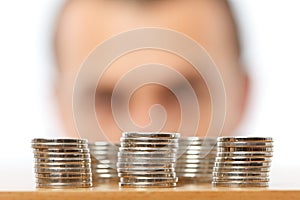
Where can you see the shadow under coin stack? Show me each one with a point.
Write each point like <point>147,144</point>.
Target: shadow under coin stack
<point>104,158</point>
<point>243,162</point>
<point>196,159</point>
<point>62,163</point>
<point>147,159</point>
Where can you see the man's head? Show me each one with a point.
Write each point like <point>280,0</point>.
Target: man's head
<point>83,25</point>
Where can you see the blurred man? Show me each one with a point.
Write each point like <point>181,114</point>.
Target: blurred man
<point>83,24</point>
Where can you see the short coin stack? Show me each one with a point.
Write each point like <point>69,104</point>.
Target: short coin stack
<point>243,162</point>
<point>147,159</point>
<point>104,159</point>
<point>62,163</point>
<point>196,159</point>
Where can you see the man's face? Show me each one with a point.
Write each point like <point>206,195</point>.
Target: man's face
<point>85,24</point>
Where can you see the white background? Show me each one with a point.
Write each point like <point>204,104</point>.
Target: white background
<point>270,33</point>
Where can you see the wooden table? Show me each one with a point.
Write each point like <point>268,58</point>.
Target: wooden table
<point>17,182</point>
<point>191,191</point>
<point>111,191</point>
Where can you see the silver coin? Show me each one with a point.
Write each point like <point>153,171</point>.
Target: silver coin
<point>55,155</point>
<point>148,185</point>
<point>101,163</point>
<point>147,154</point>
<point>200,173</point>
<point>104,164</point>
<point>66,160</point>
<point>196,152</point>
<point>64,185</point>
<point>145,165</point>
<point>199,165</point>
<point>104,161</point>
<point>244,149</point>
<point>240,184</point>
<point>203,175</point>
<point>244,164</point>
<point>198,156</point>
<point>149,145</point>
<point>195,161</point>
<point>64,140</point>
<point>194,180</point>
<point>240,174</point>
<point>197,147</point>
<point>243,159</point>
<point>145,170</point>
<point>147,160</point>
<point>63,175</point>
<point>199,168</point>
<point>62,165</point>
<point>162,135</point>
<point>62,170</point>
<point>150,175</point>
<point>66,151</point>
<point>58,146</point>
<point>146,149</point>
<point>191,145</point>
<point>241,179</point>
<point>104,154</point>
<point>148,140</point>
<point>194,166</point>
<point>245,144</point>
<point>194,171</point>
<point>96,160</point>
<point>98,176</point>
<point>60,180</point>
<point>104,171</point>
<point>99,157</point>
<point>244,139</point>
<point>245,154</point>
<point>148,180</point>
<point>241,169</point>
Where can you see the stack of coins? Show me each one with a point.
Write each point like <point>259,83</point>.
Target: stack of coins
<point>243,162</point>
<point>196,159</point>
<point>62,163</point>
<point>104,159</point>
<point>147,159</point>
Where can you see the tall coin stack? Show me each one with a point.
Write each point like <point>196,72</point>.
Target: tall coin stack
<point>62,163</point>
<point>196,159</point>
<point>104,159</point>
<point>243,162</point>
<point>147,159</point>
